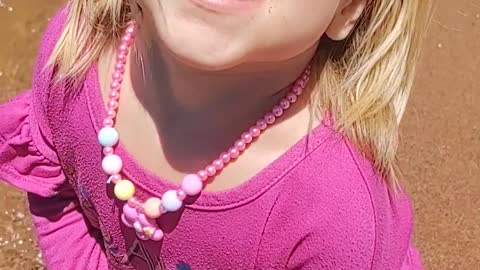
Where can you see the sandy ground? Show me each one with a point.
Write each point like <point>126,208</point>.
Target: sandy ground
<point>440,153</point>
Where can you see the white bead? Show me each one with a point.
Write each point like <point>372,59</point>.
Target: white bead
<point>108,137</point>
<point>112,164</point>
<point>170,201</point>
<point>138,227</point>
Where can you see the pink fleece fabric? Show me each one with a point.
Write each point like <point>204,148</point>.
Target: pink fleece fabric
<point>319,206</point>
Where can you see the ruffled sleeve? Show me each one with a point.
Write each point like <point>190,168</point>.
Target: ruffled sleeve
<point>27,159</point>
<point>412,260</point>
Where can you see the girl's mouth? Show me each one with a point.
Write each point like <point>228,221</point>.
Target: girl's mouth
<point>228,6</point>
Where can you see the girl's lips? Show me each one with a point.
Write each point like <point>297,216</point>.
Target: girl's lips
<point>228,6</point>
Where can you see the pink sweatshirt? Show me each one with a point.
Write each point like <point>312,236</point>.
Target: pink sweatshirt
<point>319,206</point>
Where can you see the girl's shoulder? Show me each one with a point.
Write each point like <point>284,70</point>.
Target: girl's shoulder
<point>343,197</point>
<point>27,157</point>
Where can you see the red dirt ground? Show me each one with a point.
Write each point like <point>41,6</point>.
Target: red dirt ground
<point>440,153</point>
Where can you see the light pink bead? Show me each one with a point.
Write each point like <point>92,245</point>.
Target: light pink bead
<point>203,175</point>
<point>261,124</point>
<point>297,90</point>
<point>284,103</point>
<point>181,194</point>
<point>115,85</point>
<point>130,30</point>
<point>123,48</point>
<point>192,184</point>
<point>255,132</point>
<point>157,235</point>
<point>111,113</point>
<point>233,152</point>
<point>277,111</point>
<point>218,164</point>
<point>126,222</point>
<point>115,178</point>
<point>146,221</point>
<point>224,157</point>
<point>303,82</point>
<point>114,94</point>
<point>247,137</point>
<point>240,145</point>
<point>269,118</point>
<point>292,97</point>
<point>112,164</point>
<point>211,171</point>
<point>108,122</point>
<point>130,213</point>
<point>119,67</point>
<point>133,202</point>
<point>117,76</point>
<point>122,58</point>
<point>107,151</point>
<point>127,39</point>
<point>112,104</point>
<point>152,207</point>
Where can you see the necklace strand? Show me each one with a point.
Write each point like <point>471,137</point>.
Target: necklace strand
<point>142,215</point>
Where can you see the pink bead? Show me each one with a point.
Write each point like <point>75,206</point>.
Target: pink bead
<point>151,207</point>
<point>225,157</point>
<point>146,221</point>
<point>303,83</point>
<point>119,67</point>
<point>108,122</point>
<point>269,118</point>
<point>157,235</point>
<point>133,202</point>
<point>233,152</point>
<point>114,94</point>
<point>218,164</point>
<point>111,113</point>
<point>211,171</point>
<point>192,184</point>
<point>107,151</point>
<point>127,39</point>
<point>261,124</point>
<point>115,178</point>
<point>115,85</point>
<point>181,194</point>
<point>126,222</point>
<point>292,97</point>
<point>130,213</point>
<point>240,145</point>
<point>117,76</point>
<point>130,30</point>
<point>255,132</point>
<point>284,103</point>
<point>122,58</point>
<point>297,90</point>
<point>123,48</point>
<point>203,175</point>
<point>112,104</point>
<point>247,137</point>
<point>277,111</point>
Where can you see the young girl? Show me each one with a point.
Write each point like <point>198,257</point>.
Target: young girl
<point>206,134</point>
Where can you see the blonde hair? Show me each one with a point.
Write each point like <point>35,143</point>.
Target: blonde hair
<point>364,83</point>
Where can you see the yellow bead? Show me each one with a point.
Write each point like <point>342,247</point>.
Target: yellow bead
<point>124,190</point>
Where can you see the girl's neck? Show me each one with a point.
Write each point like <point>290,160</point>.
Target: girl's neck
<point>195,114</point>
<point>178,95</point>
